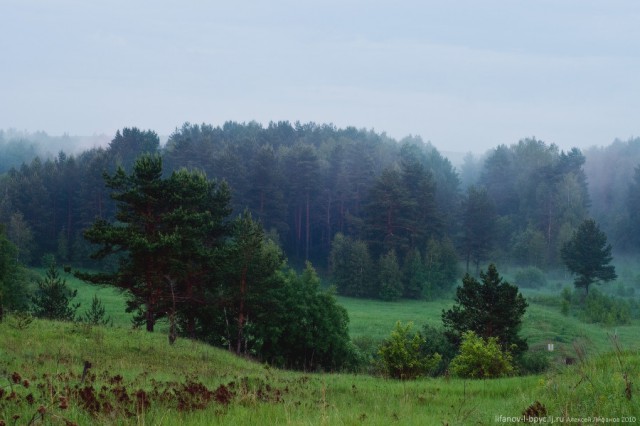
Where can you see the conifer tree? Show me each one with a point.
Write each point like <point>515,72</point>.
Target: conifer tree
<point>52,299</point>
<point>390,277</point>
<point>588,256</point>
<point>491,308</point>
<point>166,231</point>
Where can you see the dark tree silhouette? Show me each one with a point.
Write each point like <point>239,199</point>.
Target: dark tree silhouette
<point>587,255</point>
<point>491,308</point>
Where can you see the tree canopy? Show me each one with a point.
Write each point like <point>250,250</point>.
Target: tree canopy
<point>490,308</point>
<point>588,256</point>
<point>165,232</point>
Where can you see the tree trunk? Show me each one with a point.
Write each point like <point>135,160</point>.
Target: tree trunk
<point>149,318</point>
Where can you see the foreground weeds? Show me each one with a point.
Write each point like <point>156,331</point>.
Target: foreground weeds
<point>62,374</point>
<point>90,398</point>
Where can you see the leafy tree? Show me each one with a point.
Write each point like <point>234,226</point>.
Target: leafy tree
<point>529,247</point>
<point>52,299</point>
<point>436,342</point>
<point>309,330</point>
<point>491,308</point>
<point>588,255</point>
<point>530,277</point>
<point>481,358</point>
<point>401,355</point>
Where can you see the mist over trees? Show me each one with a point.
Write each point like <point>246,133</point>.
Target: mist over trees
<point>357,204</point>
<point>613,186</point>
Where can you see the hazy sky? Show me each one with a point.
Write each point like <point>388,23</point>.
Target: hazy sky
<point>465,75</point>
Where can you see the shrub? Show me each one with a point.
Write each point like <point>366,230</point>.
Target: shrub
<point>401,356</point>
<point>96,314</point>
<point>52,299</point>
<point>480,359</point>
<point>533,362</point>
<point>603,309</point>
<point>530,277</point>
<point>436,342</point>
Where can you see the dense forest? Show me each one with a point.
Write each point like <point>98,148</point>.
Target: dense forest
<point>340,197</point>
<point>226,233</point>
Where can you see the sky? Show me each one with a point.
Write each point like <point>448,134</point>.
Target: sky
<point>465,75</point>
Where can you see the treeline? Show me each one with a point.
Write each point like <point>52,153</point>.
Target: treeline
<point>336,197</point>
<point>181,258</point>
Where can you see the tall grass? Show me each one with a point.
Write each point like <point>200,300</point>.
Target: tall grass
<point>51,357</point>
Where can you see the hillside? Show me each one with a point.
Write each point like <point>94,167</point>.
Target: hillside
<point>138,378</point>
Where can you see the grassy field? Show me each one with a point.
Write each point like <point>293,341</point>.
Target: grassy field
<point>138,378</point>
<point>541,324</point>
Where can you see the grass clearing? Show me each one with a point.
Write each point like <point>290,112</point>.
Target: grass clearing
<point>162,382</point>
<point>50,356</point>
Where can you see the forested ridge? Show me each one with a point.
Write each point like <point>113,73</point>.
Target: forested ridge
<point>226,233</point>
<point>388,205</point>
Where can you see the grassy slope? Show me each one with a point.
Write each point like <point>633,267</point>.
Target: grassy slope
<point>541,324</point>
<point>51,356</point>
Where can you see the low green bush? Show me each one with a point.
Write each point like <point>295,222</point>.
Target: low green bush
<point>530,277</point>
<point>481,359</point>
<point>533,362</point>
<point>401,356</point>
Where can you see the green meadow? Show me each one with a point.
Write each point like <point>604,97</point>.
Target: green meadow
<point>138,378</point>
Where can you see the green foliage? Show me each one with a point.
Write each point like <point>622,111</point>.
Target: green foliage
<point>401,355</point>
<point>96,314</point>
<point>478,225</point>
<point>351,268</point>
<point>52,299</point>
<point>441,267</point>
<point>389,277</point>
<point>436,342</point>
<point>307,329</point>
<point>140,361</point>
<point>20,320</point>
<point>588,256</point>
<point>533,362</point>
<point>414,275</point>
<point>633,207</point>
<point>21,235</point>
<point>537,191</point>
<point>491,308</point>
<point>13,294</point>
<point>599,308</point>
<point>530,277</point>
<point>249,279</point>
<point>169,230</point>
<point>481,359</point>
